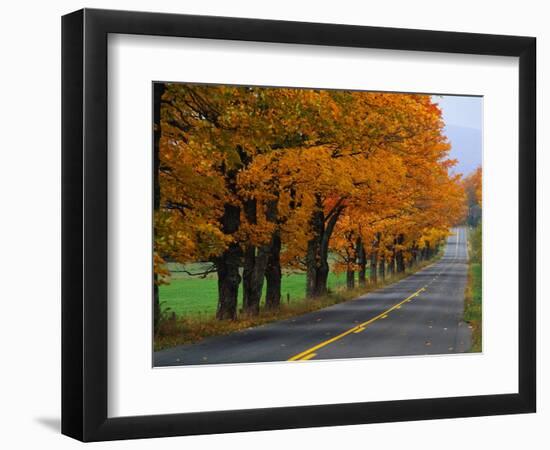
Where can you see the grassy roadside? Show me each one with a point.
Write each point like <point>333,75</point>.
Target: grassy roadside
<point>473,301</point>
<point>472,310</point>
<point>176,330</point>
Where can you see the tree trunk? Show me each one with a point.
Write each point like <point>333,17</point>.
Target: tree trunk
<point>158,91</point>
<point>391,264</point>
<point>228,283</point>
<point>273,274</point>
<point>317,249</point>
<point>249,258</point>
<point>228,267</point>
<point>313,250</point>
<point>399,256</point>
<point>323,269</point>
<point>257,282</point>
<point>362,261</point>
<point>382,268</point>
<point>414,255</point>
<point>350,279</point>
<point>374,260</point>
<point>428,250</point>
<point>254,266</point>
<point>255,262</point>
<point>321,287</point>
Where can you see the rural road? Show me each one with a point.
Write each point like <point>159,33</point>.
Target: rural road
<point>419,315</point>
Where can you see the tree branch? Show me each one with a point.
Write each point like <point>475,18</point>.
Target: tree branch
<point>204,274</point>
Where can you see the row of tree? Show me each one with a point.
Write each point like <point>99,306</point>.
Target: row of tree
<point>260,180</point>
<point>472,188</point>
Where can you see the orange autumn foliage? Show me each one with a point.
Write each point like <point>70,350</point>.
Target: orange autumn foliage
<point>318,167</point>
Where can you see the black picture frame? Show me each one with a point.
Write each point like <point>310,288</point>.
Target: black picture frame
<point>84,224</point>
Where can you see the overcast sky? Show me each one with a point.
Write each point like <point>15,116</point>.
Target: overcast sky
<point>463,118</point>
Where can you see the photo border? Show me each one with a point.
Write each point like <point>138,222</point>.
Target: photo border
<point>84,224</point>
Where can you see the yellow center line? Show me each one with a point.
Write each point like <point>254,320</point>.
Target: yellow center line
<point>305,355</point>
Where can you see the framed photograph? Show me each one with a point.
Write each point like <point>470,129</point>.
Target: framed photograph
<point>273,224</point>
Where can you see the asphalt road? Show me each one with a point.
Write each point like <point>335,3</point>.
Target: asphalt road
<point>418,315</point>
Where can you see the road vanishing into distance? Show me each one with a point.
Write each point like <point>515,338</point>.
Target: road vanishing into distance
<point>419,315</point>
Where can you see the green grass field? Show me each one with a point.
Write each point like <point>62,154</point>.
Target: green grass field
<point>194,296</point>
